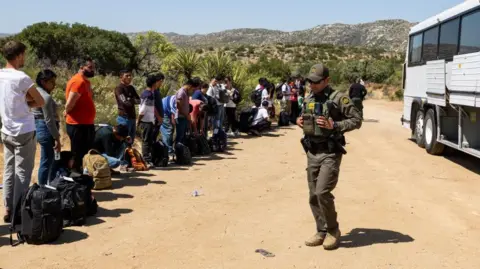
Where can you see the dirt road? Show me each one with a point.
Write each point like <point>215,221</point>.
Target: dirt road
<point>398,208</point>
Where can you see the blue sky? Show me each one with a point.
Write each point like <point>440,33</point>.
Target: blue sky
<point>189,17</point>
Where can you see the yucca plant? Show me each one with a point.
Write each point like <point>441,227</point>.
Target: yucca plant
<point>217,64</point>
<point>185,62</point>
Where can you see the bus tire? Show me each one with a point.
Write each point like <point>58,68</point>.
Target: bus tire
<point>430,134</point>
<point>418,131</point>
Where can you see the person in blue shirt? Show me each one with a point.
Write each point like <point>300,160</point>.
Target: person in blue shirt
<point>169,106</point>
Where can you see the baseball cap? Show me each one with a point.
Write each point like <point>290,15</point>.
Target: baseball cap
<point>317,73</point>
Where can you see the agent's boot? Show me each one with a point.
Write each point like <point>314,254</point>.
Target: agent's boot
<point>332,240</point>
<point>316,240</point>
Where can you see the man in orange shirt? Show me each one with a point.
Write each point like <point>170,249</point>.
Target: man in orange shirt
<point>80,111</point>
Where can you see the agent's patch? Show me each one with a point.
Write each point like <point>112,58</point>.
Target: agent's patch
<point>345,100</point>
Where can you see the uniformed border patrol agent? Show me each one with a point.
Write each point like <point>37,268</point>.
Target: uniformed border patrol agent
<point>335,115</point>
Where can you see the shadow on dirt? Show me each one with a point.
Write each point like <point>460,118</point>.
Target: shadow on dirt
<point>362,237</point>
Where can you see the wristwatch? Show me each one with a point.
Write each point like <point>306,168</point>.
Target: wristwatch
<point>335,125</point>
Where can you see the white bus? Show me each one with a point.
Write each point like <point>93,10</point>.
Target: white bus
<point>441,81</point>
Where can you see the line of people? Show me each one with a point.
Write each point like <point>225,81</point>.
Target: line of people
<point>29,115</point>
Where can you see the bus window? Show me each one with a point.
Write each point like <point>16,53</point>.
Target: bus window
<point>469,38</point>
<point>416,48</point>
<point>430,44</point>
<point>448,39</point>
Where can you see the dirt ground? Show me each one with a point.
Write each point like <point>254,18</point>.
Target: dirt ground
<point>398,208</point>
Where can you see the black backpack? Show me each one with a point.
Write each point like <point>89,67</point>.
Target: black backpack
<point>160,154</point>
<point>236,97</point>
<point>284,119</point>
<point>218,142</point>
<point>182,154</point>
<point>75,201</point>
<point>37,216</point>
<point>246,118</point>
<point>191,142</point>
<point>212,108</point>
<point>203,146</point>
<point>256,97</point>
<point>279,92</point>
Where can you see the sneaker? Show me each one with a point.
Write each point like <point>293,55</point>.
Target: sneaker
<point>316,240</point>
<point>237,133</point>
<point>150,165</point>
<point>123,168</point>
<point>332,240</point>
<point>230,134</point>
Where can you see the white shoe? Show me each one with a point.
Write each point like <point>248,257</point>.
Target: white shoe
<point>237,133</point>
<point>231,134</point>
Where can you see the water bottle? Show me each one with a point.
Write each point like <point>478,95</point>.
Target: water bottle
<point>196,193</point>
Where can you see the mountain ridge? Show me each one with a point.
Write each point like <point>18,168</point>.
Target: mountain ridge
<point>390,35</point>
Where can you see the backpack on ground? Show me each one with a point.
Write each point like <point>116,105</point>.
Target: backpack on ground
<point>90,201</point>
<point>284,119</point>
<point>203,146</point>
<point>191,142</point>
<point>218,142</point>
<point>37,216</point>
<point>256,97</point>
<point>182,154</point>
<point>278,90</point>
<point>246,118</point>
<point>135,159</point>
<point>236,97</point>
<point>76,198</point>
<point>98,168</point>
<point>160,154</point>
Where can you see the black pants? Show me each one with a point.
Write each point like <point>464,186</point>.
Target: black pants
<point>148,131</point>
<point>295,112</point>
<point>263,125</point>
<point>231,119</point>
<point>81,141</point>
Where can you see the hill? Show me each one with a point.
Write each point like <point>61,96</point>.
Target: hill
<point>390,35</point>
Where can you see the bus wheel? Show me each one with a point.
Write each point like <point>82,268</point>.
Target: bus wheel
<point>430,134</point>
<point>418,133</point>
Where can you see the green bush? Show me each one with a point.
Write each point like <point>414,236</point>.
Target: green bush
<point>57,42</point>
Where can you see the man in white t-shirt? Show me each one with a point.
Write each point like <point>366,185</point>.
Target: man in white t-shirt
<point>286,91</point>
<point>17,95</point>
<point>261,120</point>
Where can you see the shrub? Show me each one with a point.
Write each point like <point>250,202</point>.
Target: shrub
<point>58,42</point>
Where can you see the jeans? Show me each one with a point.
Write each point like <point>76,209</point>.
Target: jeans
<point>47,155</point>
<point>18,160</point>
<point>219,118</point>
<point>167,133</point>
<point>131,124</point>
<point>147,140</point>
<point>81,141</point>
<point>182,124</point>
<point>114,162</point>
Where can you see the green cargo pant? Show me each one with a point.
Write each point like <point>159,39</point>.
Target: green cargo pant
<point>359,104</point>
<point>322,172</point>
